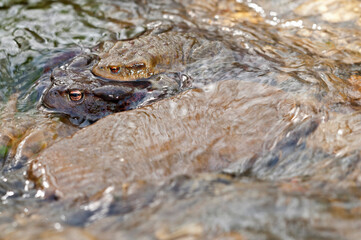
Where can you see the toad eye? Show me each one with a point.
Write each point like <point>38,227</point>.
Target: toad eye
<point>114,69</point>
<point>75,95</point>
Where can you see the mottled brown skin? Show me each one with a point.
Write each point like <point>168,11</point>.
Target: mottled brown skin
<point>145,56</point>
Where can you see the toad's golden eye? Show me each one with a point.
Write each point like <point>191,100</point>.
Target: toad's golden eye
<point>75,95</point>
<point>114,69</point>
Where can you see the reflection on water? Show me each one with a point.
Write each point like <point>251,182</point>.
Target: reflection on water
<point>269,152</point>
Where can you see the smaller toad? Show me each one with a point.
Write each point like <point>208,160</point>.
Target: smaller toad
<point>145,56</point>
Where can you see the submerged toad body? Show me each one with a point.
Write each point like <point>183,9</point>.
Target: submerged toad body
<point>127,74</point>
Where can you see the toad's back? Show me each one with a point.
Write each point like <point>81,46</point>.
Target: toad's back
<point>145,56</point>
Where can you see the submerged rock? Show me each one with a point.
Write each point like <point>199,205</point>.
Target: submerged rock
<point>197,131</point>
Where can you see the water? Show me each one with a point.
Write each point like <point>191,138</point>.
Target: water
<point>270,152</point>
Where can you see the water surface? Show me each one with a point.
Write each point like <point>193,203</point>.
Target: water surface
<point>270,151</point>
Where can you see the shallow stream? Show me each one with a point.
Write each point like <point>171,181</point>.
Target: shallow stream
<point>269,149</point>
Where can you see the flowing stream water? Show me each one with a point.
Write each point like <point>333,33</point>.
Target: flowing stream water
<point>270,151</point>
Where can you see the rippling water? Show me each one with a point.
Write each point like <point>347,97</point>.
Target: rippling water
<point>269,152</point>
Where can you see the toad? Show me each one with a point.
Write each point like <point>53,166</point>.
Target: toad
<point>124,75</point>
<point>144,56</point>
<point>85,98</point>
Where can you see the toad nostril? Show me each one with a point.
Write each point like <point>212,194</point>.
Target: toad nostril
<point>54,94</point>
